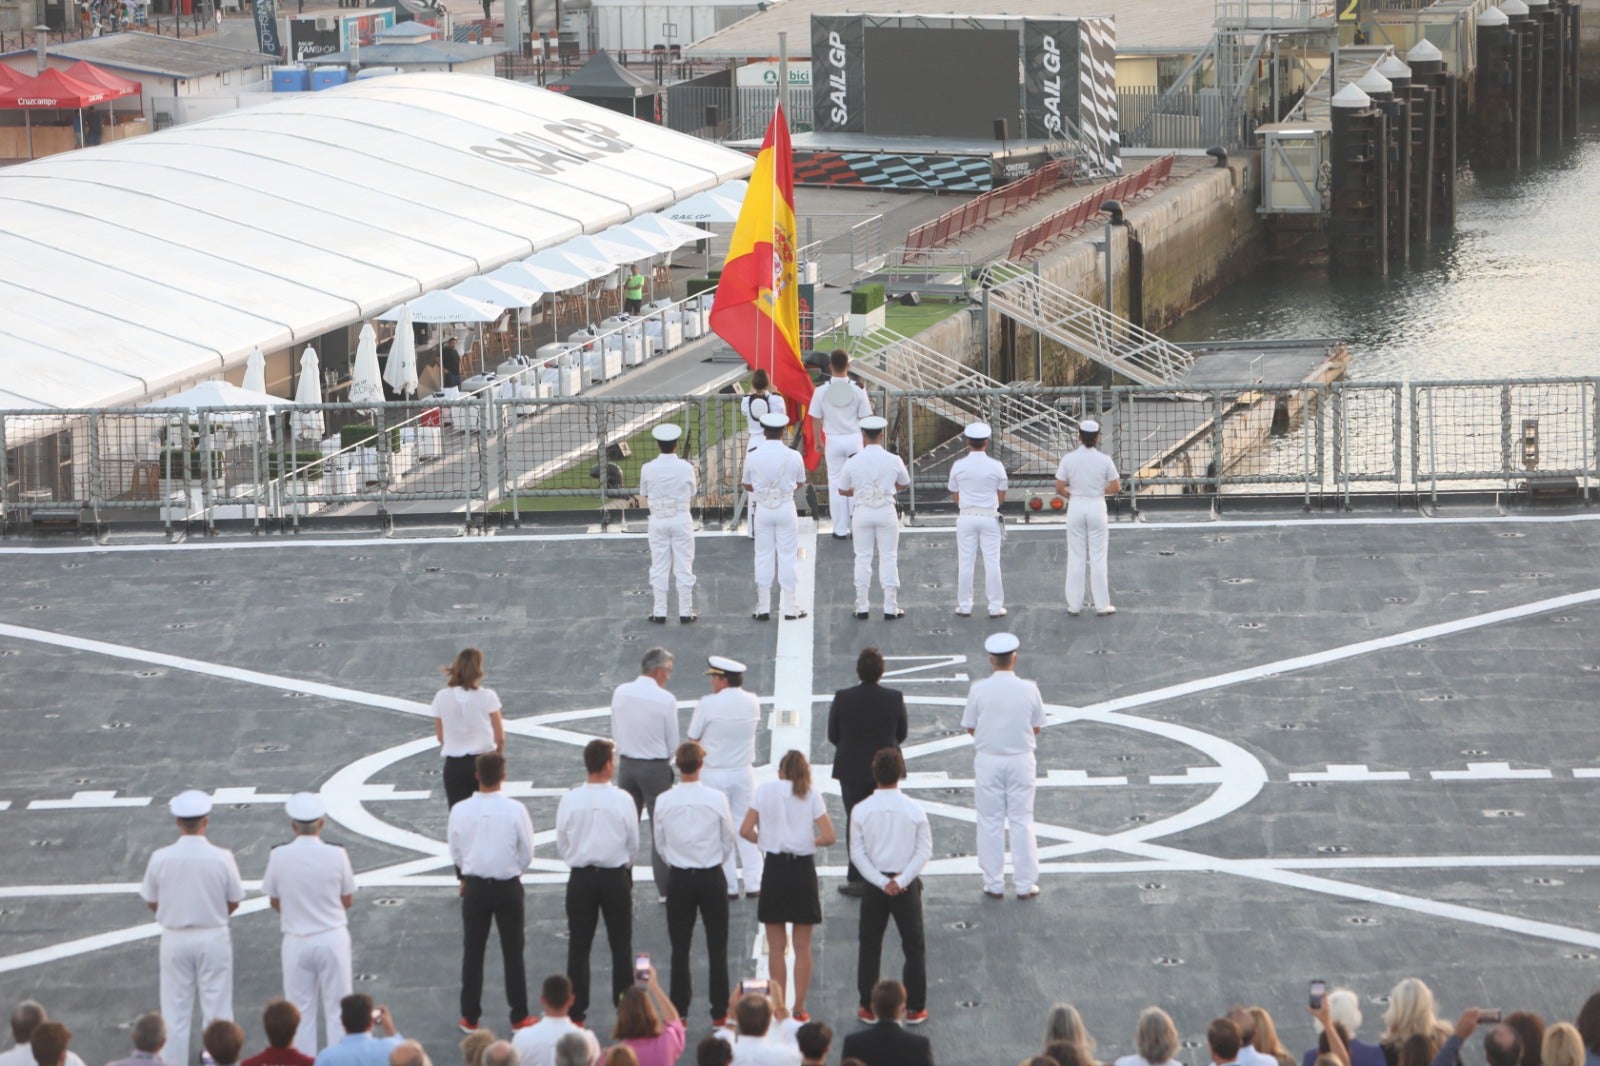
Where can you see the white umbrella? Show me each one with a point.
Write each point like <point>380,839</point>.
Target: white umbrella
<point>255,371</point>
<point>704,207</point>
<point>559,258</point>
<point>599,247</point>
<point>366,384</point>
<point>401,371</point>
<point>662,234</point>
<point>733,190</point>
<point>497,293</point>
<point>308,424</point>
<point>218,394</point>
<point>440,307</point>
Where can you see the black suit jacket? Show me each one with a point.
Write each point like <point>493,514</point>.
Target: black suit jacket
<point>886,1044</point>
<point>861,722</point>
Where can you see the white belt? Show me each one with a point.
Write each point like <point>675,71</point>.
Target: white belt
<point>667,509</point>
<point>874,496</point>
<point>774,498</point>
<point>980,512</point>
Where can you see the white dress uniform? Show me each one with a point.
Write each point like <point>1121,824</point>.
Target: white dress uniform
<point>669,483</point>
<point>308,879</point>
<point>1003,711</point>
<point>979,479</point>
<point>192,882</point>
<point>725,724</point>
<point>840,405</point>
<point>773,472</point>
<point>753,407</point>
<point>1087,471</point>
<point>874,475</point>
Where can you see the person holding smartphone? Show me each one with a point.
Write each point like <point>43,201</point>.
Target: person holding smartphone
<point>647,1022</point>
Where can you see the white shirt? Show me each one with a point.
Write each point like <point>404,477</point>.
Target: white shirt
<point>309,878</point>
<point>725,723</point>
<point>889,833</point>
<point>491,836</point>
<point>758,1051</point>
<point>841,420</point>
<point>22,1055</point>
<point>597,825</point>
<point>192,882</point>
<point>1249,1056</point>
<point>536,1045</point>
<point>773,471</point>
<point>774,406</point>
<point>1140,1060</point>
<point>465,714</point>
<point>693,827</point>
<point>787,823</point>
<point>980,478</point>
<point>1087,472</point>
<point>668,482</point>
<point>874,474</point>
<point>644,719</point>
<point>1003,710</point>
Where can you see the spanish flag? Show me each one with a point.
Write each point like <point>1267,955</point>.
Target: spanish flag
<point>757,306</point>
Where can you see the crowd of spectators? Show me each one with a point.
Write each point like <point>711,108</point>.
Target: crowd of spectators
<point>649,1032</point>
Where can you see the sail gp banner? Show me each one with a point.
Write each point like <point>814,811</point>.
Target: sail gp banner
<point>838,73</point>
<point>1050,77</point>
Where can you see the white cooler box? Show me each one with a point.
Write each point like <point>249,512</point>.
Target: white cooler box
<point>563,377</point>
<point>694,320</point>
<point>633,348</point>
<point>602,361</point>
<point>665,331</point>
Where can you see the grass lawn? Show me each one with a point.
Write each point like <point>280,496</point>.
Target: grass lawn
<point>909,321</point>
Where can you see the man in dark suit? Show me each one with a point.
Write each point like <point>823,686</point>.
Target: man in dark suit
<point>886,1043</point>
<point>862,721</point>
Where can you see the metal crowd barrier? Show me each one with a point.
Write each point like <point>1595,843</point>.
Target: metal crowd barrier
<point>506,456</point>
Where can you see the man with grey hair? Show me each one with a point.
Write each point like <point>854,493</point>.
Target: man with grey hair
<point>149,1037</point>
<point>409,1053</point>
<point>501,1053</point>
<point>644,724</point>
<point>25,1018</point>
<point>573,1050</point>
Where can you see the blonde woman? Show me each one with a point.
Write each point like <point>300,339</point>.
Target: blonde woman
<point>1410,1014</point>
<point>788,821</point>
<point>1563,1046</point>
<point>1266,1041</point>
<point>473,1045</point>
<point>1064,1025</point>
<point>466,719</point>
<point>1155,1039</point>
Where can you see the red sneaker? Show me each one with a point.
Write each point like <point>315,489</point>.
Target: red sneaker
<point>527,1022</point>
<point>466,1027</point>
<point>800,1016</point>
<point>865,1014</point>
<point>916,1017</point>
<point>719,1022</point>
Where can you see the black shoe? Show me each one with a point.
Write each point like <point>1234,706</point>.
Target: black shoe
<point>687,618</point>
<point>892,615</point>
<point>796,615</point>
<point>861,614</point>
<point>658,619</point>
<point>762,616</point>
<point>852,888</point>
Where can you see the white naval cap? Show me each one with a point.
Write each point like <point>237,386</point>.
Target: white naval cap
<point>721,664</point>
<point>1088,425</point>
<point>667,431</point>
<point>306,807</point>
<point>774,420</point>
<point>190,804</point>
<point>1002,644</point>
<point>977,431</point>
<point>874,423</point>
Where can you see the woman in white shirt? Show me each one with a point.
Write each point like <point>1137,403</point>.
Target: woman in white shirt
<point>758,403</point>
<point>788,821</point>
<point>466,719</point>
<point>1156,1039</point>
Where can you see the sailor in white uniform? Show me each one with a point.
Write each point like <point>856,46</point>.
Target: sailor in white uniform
<point>193,886</point>
<point>869,480</point>
<point>725,723</point>
<point>311,886</point>
<point>1004,715</point>
<point>668,483</point>
<point>978,486</point>
<point>1086,477</point>
<point>761,401</point>
<point>772,473</point>
<point>840,405</point>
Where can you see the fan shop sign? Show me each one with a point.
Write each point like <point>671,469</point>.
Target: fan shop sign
<point>556,147</point>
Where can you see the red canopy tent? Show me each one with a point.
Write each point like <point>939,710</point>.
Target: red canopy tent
<point>119,86</point>
<point>53,89</point>
<point>11,78</point>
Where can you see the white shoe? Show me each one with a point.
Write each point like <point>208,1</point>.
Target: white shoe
<point>1001,613</point>
<point>1102,612</point>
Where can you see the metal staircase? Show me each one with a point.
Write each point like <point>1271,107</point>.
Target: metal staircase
<point>1032,432</point>
<point>1085,327</point>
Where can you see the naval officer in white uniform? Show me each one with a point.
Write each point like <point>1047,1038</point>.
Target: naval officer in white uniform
<point>771,475</point>
<point>725,723</point>
<point>311,886</point>
<point>668,484</point>
<point>193,886</point>
<point>1086,477</point>
<point>1004,715</point>
<point>869,480</point>
<point>978,486</point>
<point>840,405</point>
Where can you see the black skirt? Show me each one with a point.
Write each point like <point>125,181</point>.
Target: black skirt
<point>789,890</point>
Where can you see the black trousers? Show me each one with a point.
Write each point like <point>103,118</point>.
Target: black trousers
<point>644,780</point>
<point>704,892</point>
<point>460,777</point>
<point>484,901</point>
<point>853,792</point>
<point>594,892</point>
<point>877,907</point>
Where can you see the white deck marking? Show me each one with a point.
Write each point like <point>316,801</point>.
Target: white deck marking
<point>1489,771</point>
<point>1586,771</point>
<point>1340,771</point>
<point>247,795</point>
<point>87,800</point>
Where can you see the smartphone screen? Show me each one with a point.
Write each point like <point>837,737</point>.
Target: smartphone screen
<point>1488,1017</point>
<point>641,968</point>
<point>754,987</point>
<point>1319,989</point>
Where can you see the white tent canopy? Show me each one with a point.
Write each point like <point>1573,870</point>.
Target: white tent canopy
<point>275,224</point>
<point>672,233</point>
<point>216,395</point>
<point>442,307</point>
<point>704,207</point>
<point>501,294</point>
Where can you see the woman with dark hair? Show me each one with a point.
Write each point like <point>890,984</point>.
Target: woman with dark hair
<point>1416,1051</point>
<point>760,401</point>
<point>649,1025</point>
<point>788,821</point>
<point>466,719</point>
<point>1529,1028</point>
<point>1588,1023</point>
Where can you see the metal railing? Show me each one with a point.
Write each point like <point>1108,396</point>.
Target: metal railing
<point>851,244</point>
<point>985,208</point>
<point>513,457</point>
<point>1039,236</point>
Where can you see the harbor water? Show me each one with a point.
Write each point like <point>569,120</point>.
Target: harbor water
<point>1512,291</point>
